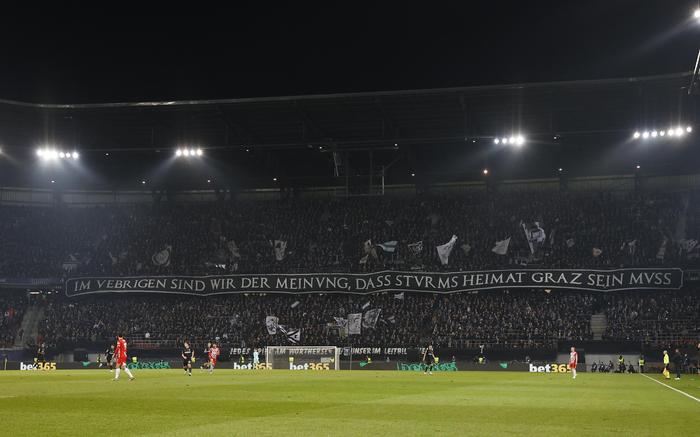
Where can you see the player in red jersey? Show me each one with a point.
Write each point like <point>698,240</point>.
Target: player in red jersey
<point>120,358</point>
<point>213,355</point>
<point>573,361</point>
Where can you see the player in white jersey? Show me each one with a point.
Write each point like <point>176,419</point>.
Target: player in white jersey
<point>573,361</point>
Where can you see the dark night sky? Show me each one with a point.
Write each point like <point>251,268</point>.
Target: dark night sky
<point>284,51</point>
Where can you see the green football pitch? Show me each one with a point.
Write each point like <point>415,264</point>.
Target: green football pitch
<point>364,403</point>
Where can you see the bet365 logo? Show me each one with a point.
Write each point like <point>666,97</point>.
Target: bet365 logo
<point>309,366</point>
<point>549,368</point>
<point>37,366</point>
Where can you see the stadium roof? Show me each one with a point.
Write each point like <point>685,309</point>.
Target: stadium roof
<point>371,119</point>
<point>444,134</point>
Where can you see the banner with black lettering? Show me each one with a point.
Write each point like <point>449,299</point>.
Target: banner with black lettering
<point>393,281</point>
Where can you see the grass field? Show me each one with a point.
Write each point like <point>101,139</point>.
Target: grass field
<point>364,403</point>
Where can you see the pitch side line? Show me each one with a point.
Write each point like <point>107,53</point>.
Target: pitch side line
<point>672,388</point>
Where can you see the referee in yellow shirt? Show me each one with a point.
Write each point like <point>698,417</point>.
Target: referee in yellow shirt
<point>667,361</point>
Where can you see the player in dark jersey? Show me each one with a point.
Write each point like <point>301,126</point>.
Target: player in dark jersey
<point>429,359</point>
<point>187,357</point>
<point>205,365</point>
<point>41,353</point>
<point>109,357</point>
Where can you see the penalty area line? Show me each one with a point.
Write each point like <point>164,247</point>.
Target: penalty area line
<point>672,388</point>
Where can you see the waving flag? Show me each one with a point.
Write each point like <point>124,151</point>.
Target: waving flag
<point>389,246</point>
<point>162,258</point>
<point>501,247</point>
<point>445,250</point>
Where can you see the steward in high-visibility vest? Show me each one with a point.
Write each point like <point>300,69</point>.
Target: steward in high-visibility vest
<point>667,361</point>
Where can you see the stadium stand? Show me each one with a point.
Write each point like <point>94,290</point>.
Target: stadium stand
<point>627,229</point>
<point>12,308</point>
<point>601,230</point>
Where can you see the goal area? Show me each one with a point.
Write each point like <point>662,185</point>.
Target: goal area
<point>302,357</point>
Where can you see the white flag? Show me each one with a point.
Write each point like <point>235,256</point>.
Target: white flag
<point>661,254</point>
<point>280,249</point>
<point>271,323</point>
<point>369,249</point>
<point>596,252</point>
<point>162,258</point>
<point>445,250</point>
<point>389,246</point>
<point>370,318</point>
<point>501,247</point>
<point>354,324</point>
<point>399,295</point>
<point>233,248</point>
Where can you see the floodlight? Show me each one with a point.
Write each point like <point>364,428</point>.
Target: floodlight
<point>636,135</point>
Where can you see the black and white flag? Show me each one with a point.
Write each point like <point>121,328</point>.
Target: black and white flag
<point>340,322</point>
<point>280,249</point>
<point>293,334</point>
<point>629,247</point>
<point>271,323</point>
<point>354,323</point>
<point>416,247</point>
<point>534,234</point>
<point>369,320</point>
<point>687,245</point>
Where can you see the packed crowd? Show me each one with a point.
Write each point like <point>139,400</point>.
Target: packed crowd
<point>654,318</point>
<point>12,308</point>
<point>511,319</point>
<point>601,230</point>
